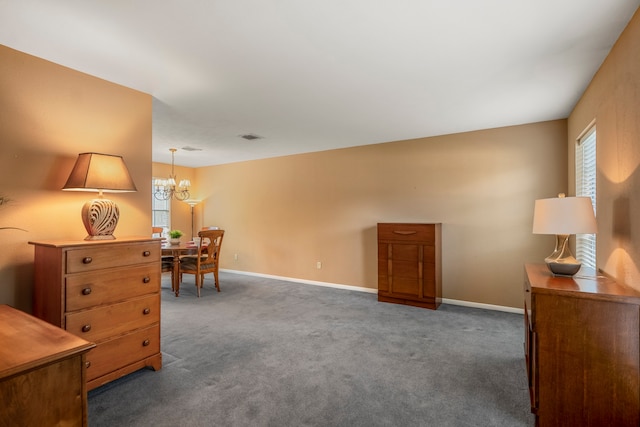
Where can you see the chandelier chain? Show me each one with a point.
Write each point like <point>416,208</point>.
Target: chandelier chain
<point>165,189</point>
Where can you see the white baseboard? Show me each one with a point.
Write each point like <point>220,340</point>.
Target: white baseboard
<point>306,282</point>
<point>375,291</point>
<point>483,306</point>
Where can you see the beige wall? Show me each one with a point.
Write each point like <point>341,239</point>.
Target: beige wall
<point>49,114</point>
<point>613,100</point>
<point>282,215</point>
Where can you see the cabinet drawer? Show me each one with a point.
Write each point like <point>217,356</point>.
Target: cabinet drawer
<point>105,287</point>
<point>122,351</point>
<point>112,256</point>
<point>109,321</point>
<point>407,232</point>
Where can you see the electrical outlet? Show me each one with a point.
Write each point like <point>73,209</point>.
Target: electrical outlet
<point>318,265</point>
<point>235,257</point>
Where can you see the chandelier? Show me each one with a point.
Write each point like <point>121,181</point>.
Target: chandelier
<point>165,189</point>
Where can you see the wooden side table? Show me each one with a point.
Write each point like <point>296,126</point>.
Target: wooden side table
<point>42,372</point>
<point>582,348</point>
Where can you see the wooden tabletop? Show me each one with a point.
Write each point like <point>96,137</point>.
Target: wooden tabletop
<point>27,342</point>
<point>183,247</point>
<point>587,282</point>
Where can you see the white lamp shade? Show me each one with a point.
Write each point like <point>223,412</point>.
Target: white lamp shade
<point>564,215</point>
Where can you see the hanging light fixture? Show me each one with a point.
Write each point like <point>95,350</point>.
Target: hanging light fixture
<point>165,189</point>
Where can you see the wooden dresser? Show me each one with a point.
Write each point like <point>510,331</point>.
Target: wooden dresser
<point>42,373</point>
<point>582,347</point>
<point>409,264</point>
<point>107,292</point>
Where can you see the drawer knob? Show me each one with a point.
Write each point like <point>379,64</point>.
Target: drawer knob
<point>87,364</point>
<point>146,311</point>
<point>145,343</point>
<point>147,279</point>
<point>86,291</point>
<point>146,253</point>
<point>86,328</point>
<point>404,233</point>
<point>87,260</point>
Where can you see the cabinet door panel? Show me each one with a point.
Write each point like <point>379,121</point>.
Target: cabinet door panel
<point>405,270</point>
<point>428,284</point>
<point>402,252</point>
<point>405,286</point>
<point>429,254</point>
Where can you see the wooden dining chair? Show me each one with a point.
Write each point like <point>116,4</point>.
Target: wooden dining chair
<point>205,262</point>
<point>167,260</point>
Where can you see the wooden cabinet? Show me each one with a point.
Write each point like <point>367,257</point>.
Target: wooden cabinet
<point>582,347</point>
<point>107,292</point>
<point>42,373</point>
<point>409,264</point>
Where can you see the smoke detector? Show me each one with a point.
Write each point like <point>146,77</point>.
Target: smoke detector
<point>250,136</point>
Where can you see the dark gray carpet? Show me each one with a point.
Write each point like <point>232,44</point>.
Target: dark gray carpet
<point>266,352</point>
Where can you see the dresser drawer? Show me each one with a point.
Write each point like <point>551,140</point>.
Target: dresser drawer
<point>101,256</point>
<point>122,351</point>
<point>406,232</point>
<point>105,287</point>
<point>109,321</point>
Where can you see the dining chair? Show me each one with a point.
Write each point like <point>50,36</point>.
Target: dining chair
<point>156,231</point>
<point>207,261</point>
<point>167,260</point>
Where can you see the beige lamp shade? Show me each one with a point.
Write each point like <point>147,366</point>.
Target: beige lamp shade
<point>100,172</point>
<point>95,172</point>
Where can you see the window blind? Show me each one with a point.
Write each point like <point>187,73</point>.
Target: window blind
<point>586,187</point>
<point>161,211</point>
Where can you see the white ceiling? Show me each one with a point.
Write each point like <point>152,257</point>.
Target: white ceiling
<point>318,75</point>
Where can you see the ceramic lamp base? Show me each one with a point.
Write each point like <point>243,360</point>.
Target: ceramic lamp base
<point>100,218</point>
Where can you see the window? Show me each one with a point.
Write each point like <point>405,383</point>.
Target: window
<point>161,212</point>
<point>586,187</point>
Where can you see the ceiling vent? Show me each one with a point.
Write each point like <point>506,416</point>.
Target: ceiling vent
<point>251,136</point>
<point>187,148</point>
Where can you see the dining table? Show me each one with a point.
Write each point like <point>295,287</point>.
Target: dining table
<point>183,248</point>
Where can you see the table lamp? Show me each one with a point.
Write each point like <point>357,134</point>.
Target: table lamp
<point>100,172</point>
<point>563,216</point>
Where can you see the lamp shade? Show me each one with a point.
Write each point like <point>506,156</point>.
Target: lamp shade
<point>564,215</point>
<point>100,172</point>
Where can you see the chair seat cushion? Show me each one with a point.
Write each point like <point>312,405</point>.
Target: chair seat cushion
<point>190,262</point>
